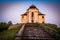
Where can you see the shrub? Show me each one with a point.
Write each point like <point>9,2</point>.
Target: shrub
<point>10,23</point>
<point>9,34</point>
<point>3,26</point>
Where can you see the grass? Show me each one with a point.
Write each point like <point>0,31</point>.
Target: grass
<point>3,26</point>
<point>58,29</point>
<point>48,27</point>
<point>9,34</point>
<point>53,28</point>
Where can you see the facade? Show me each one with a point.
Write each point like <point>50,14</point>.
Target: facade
<point>32,15</point>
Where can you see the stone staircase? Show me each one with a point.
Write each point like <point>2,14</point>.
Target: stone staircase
<point>32,31</point>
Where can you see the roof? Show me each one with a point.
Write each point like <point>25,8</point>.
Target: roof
<point>32,6</point>
<point>24,14</point>
<point>40,13</point>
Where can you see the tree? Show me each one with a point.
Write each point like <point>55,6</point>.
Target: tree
<point>10,23</point>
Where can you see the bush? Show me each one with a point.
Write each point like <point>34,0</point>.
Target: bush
<point>58,31</point>
<point>9,34</point>
<point>10,23</point>
<point>3,26</point>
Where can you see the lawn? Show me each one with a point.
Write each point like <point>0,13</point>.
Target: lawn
<point>9,34</point>
<point>58,31</point>
<point>53,27</point>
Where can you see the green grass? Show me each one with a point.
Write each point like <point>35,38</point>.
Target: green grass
<point>3,26</point>
<point>53,28</point>
<point>58,30</point>
<point>9,34</point>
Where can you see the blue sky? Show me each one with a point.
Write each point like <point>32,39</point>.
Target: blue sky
<point>11,10</point>
<point>29,0</point>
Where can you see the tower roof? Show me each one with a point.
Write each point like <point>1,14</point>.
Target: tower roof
<point>33,6</point>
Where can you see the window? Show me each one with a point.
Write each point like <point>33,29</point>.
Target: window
<point>42,16</point>
<point>32,14</point>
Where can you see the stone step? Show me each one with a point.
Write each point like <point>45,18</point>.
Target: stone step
<point>32,37</point>
<point>35,32</point>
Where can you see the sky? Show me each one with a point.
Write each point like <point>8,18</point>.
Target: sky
<point>11,10</point>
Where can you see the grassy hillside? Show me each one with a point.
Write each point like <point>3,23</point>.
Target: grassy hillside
<point>3,26</point>
<point>9,34</point>
<point>53,27</point>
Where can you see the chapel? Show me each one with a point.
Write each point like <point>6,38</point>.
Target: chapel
<point>33,15</point>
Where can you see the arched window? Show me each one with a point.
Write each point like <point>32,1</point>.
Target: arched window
<point>32,14</point>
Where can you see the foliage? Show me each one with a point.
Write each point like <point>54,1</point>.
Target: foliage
<point>9,34</point>
<point>10,23</point>
<point>3,26</point>
<point>58,31</point>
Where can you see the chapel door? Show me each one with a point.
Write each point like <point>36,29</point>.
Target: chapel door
<point>32,20</point>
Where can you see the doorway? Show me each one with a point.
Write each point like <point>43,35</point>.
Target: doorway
<point>32,17</point>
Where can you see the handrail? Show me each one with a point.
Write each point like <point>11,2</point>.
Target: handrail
<point>20,33</point>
